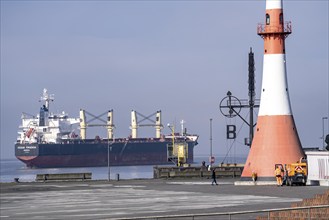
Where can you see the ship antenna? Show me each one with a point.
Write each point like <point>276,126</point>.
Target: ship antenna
<point>47,97</point>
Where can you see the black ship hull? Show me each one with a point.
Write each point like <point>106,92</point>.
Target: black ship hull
<point>93,153</point>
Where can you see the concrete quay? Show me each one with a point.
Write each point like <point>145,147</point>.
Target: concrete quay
<point>139,198</point>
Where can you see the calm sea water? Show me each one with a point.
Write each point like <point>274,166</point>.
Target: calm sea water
<point>13,168</point>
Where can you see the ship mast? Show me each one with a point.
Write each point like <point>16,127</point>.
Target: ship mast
<point>47,97</point>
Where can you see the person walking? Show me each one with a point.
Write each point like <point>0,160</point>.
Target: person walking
<point>278,176</point>
<point>213,176</point>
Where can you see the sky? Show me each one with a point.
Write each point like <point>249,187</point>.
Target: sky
<point>180,57</point>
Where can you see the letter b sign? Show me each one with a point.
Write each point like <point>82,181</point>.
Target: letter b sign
<point>230,131</point>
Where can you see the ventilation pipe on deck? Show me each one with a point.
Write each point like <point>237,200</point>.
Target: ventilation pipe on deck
<point>134,124</point>
<point>83,125</point>
<point>158,125</point>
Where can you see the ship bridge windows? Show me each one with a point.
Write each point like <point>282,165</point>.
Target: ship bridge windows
<point>267,19</point>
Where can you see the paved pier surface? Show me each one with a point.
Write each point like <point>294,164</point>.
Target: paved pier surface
<point>136,198</point>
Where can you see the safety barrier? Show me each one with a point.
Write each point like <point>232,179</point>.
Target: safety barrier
<point>224,170</point>
<point>63,177</point>
<point>231,214</point>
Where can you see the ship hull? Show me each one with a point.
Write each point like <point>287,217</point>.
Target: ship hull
<point>96,153</point>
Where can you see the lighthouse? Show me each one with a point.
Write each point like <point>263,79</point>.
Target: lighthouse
<point>276,138</point>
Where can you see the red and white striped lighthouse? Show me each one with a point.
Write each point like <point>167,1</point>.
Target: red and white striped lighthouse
<point>276,139</point>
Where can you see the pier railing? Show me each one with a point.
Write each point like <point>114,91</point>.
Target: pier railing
<point>307,212</point>
<point>223,170</point>
<point>63,177</point>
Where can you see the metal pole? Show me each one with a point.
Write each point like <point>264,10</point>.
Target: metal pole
<point>108,159</point>
<point>211,142</point>
<point>323,145</point>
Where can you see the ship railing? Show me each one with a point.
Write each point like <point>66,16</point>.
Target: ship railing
<point>123,140</point>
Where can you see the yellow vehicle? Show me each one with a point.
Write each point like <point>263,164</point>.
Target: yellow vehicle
<point>296,173</point>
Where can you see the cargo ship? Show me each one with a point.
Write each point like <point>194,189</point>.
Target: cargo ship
<point>48,140</point>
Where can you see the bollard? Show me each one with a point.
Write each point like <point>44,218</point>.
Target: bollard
<point>117,176</point>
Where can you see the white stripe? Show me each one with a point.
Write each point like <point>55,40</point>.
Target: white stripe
<point>274,94</point>
<point>273,4</point>
<point>200,183</point>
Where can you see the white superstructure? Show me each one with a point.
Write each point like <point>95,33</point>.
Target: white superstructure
<point>46,127</point>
